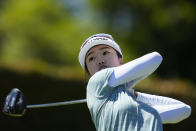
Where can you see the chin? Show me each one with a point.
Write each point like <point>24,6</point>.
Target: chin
<point>103,68</point>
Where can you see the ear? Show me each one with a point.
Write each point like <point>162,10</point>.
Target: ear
<point>121,61</point>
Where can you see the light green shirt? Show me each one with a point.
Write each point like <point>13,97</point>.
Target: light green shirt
<point>114,109</point>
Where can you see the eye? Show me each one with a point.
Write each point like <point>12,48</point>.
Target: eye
<point>91,59</point>
<point>105,52</point>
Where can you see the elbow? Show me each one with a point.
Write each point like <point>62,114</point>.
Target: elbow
<point>158,56</point>
<point>188,111</point>
<point>177,115</point>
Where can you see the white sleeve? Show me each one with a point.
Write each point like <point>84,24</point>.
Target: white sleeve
<point>170,110</point>
<point>136,70</point>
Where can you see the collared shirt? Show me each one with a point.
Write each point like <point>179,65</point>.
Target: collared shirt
<point>115,109</point>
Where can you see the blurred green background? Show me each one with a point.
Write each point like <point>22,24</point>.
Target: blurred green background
<point>40,42</point>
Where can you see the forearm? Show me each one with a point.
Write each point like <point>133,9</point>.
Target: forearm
<point>170,110</point>
<point>135,70</point>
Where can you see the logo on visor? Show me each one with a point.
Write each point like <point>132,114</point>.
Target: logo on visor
<point>91,39</point>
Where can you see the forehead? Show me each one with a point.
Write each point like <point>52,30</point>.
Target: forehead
<point>98,47</point>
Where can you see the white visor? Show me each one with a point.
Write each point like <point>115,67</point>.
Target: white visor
<point>93,41</point>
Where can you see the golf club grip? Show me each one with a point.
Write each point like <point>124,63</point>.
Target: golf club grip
<point>56,104</point>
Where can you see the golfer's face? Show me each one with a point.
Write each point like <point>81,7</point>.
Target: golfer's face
<point>101,57</point>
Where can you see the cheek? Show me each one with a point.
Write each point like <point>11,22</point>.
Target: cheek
<point>90,66</point>
<point>113,61</point>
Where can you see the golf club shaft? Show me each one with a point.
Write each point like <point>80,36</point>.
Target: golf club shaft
<point>56,104</point>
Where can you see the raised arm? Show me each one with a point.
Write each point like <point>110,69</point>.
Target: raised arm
<point>170,110</point>
<point>136,70</point>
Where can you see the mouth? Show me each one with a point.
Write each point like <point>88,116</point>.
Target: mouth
<point>102,67</point>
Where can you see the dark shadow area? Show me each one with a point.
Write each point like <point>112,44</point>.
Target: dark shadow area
<point>40,89</point>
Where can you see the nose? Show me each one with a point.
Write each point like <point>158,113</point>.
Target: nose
<point>100,61</point>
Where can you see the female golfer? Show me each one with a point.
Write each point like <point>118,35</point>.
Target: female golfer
<point>111,99</point>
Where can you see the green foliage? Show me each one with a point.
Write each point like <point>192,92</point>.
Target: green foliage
<point>154,25</point>
<point>40,30</point>
<point>52,32</point>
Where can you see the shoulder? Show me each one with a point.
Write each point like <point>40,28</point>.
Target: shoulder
<point>98,83</point>
<point>101,76</point>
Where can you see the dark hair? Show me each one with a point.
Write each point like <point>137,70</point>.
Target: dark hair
<point>86,69</point>
<point>118,54</point>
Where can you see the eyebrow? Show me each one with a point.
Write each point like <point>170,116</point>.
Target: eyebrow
<point>99,49</point>
<point>89,54</point>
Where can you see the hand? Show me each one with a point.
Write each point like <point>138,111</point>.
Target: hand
<point>135,93</point>
<point>15,104</point>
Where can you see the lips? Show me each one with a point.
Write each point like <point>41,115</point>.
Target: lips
<point>102,67</point>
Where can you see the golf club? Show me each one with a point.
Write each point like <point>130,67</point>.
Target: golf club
<point>56,104</point>
<point>15,103</point>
